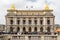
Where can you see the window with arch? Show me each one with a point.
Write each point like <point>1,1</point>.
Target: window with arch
<point>41,22</point>
<point>48,21</point>
<point>18,29</point>
<point>11,29</point>
<point>24,29</point>
<point>41,29</point>
<point>48,29</point>
<point>35,29</point>
<point>29,29</point>
<point>24,21</point>
<point>11,21</point>
<point>9,39</point>
<point>29,21</point>
<point>18,21</point>
<point>35,21</point>
<point>29,37</point>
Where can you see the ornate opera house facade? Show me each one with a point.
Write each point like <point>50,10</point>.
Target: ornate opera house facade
<point>30,25</point>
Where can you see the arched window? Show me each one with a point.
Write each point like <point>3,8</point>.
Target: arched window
<point>11,29</point>
<point>29,37</point>
<point>35,21</point>
<point>48,21</point>
<point>29,21</point>
<point>35,29</point>
<point>18,22</point>
<point>48,29</point>
<point>18,29</point>
<point>24,29</point>
<point>11,22</point>
<point>41,22</point>
<point>29,29</point>
<point>24,21</point>
<point>9,39</point>
<point>41,29</point>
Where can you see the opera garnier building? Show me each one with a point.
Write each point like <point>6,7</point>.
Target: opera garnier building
<point>30,25</point>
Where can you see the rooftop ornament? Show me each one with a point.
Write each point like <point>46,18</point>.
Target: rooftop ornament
<point>12,7</point>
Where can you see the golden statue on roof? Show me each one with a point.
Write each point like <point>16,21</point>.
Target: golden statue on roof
<point>46,7</point>
<point>12,7</point>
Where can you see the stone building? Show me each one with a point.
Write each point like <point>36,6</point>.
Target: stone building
<point>30,25</point>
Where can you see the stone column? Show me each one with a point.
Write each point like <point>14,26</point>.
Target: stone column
<point>15,21</point>
<point>38,21</point>
<point>44,29</point>
<point>32,29</point>
<point>32,21</point>
<point>38,29</point>
<point>21,29</point>
<point>7,21</point>
<point>32,24</point>
<point>51,21</point>
<point>42,37</point>
<point>26,21</point>
<point>27,28</point>
<point>44,21</point>
<point>8,28</point>
<point>15,29</point>
<point>26,38</point>
<point>21,22</point>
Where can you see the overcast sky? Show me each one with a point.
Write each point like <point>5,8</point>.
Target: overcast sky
<point>37,5</point>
